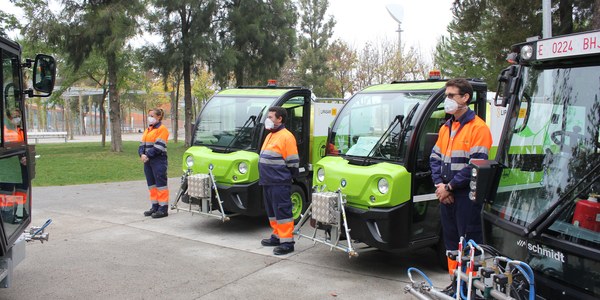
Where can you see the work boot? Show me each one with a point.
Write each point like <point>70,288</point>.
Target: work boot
<point>270,242</point>
<point>161,212</point>
<point>152,210</point>
<point>284,248</point>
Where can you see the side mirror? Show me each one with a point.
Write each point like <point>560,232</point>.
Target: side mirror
<point>506,85</point>
<point>44,74</point>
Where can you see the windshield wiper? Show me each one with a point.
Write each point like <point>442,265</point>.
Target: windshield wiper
<point>405,128</point>
<point>397,120</point>
<point>251,120</point>
<point>545,219</point>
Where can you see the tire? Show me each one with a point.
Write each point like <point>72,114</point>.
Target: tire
<point>298,197</point>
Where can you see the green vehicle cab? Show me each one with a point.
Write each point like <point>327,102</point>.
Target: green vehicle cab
<point>378,161</point>
<point>228,135</point>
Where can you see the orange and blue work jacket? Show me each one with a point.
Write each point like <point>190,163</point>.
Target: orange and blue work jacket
<point>279,161</point>
<point>13,135</point>
<point>154,141</point>
<point>458,142</point>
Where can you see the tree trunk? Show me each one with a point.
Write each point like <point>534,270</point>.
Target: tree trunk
<point>114,104</point>
<point>103,117</point>
<point>596,15</point>
<point>82,108</point>
<point>68,118</point>
<point>187,94</point>
<point>565,13</point>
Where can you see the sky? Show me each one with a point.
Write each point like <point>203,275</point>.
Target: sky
<point>361,21</point>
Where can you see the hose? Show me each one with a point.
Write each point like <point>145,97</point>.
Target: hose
<point>42,228</point>
<point>421,273</point>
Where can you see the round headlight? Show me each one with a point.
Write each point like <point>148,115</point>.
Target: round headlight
<point>473,185</point>
<point>243,167</point>
<point>189,161</point>
<point>383,186</point>
<point>474,172</point>
<point>321,174</point>
<point>527,52</point>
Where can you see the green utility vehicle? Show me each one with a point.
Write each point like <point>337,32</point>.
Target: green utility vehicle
<point>377,165</point>
<point>221,166</point>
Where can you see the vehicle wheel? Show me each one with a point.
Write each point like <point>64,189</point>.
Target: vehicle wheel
<point>298,201</point>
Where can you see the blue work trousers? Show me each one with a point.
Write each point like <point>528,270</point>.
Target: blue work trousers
<point>461,218</point>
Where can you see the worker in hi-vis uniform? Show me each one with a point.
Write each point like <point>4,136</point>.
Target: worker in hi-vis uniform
<point>153,153</point>
<point>278,165</point>
<point>465,136</point>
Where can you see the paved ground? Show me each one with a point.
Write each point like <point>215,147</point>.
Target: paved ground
<point>102,247</point>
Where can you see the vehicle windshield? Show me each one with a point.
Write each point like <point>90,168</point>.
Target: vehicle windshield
<point>555,145</point>
<point>229,121</point>
<point>372,124</point>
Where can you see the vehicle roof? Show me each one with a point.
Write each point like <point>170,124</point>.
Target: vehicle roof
<point>12,44</point>
<point>406,86</point>
<point>259,91</point>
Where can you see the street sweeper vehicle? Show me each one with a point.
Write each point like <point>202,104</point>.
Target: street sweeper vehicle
<point>374,185</point>
<point>221,166</point>
<point>541,192</point>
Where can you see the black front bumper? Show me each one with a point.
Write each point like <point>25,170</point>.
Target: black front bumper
<point>387,229</point>
<point>245,199</point>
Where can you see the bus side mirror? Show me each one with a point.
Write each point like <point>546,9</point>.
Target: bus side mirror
<point>44,74</point>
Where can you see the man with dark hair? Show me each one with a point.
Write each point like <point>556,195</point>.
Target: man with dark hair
<point>278,165</point>
<point>463,137</point>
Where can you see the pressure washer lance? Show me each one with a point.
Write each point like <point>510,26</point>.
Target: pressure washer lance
<point>470,270</point>
<point>37,233</point>
<point>459,267</point>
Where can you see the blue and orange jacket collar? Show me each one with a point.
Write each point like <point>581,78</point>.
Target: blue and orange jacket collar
<point>155,125</point>
<point>467,117</point>
<point>282,126</point>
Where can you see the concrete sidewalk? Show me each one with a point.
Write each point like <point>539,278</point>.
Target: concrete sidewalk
<point>102,247</point>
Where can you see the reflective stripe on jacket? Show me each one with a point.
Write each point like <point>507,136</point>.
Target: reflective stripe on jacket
<point>154,141</point>
<point>470,138</point>
<point>279,161</point>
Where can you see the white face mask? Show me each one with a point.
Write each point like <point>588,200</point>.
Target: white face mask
<point>16,121</point>
<point>450,106</point>
<point>269,124</point>
<point>151,120</point>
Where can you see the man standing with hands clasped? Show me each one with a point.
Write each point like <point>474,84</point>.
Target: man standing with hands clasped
<point>278,165</point>
<point>463,137</point>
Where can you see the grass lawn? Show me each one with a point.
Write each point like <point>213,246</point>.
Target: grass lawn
<point>81,163</point>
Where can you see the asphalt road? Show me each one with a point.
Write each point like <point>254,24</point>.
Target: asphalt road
<point>102,247</point>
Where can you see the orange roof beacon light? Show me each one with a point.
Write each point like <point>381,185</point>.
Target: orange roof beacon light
<point>435,75</point>
<point>271,82</point>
